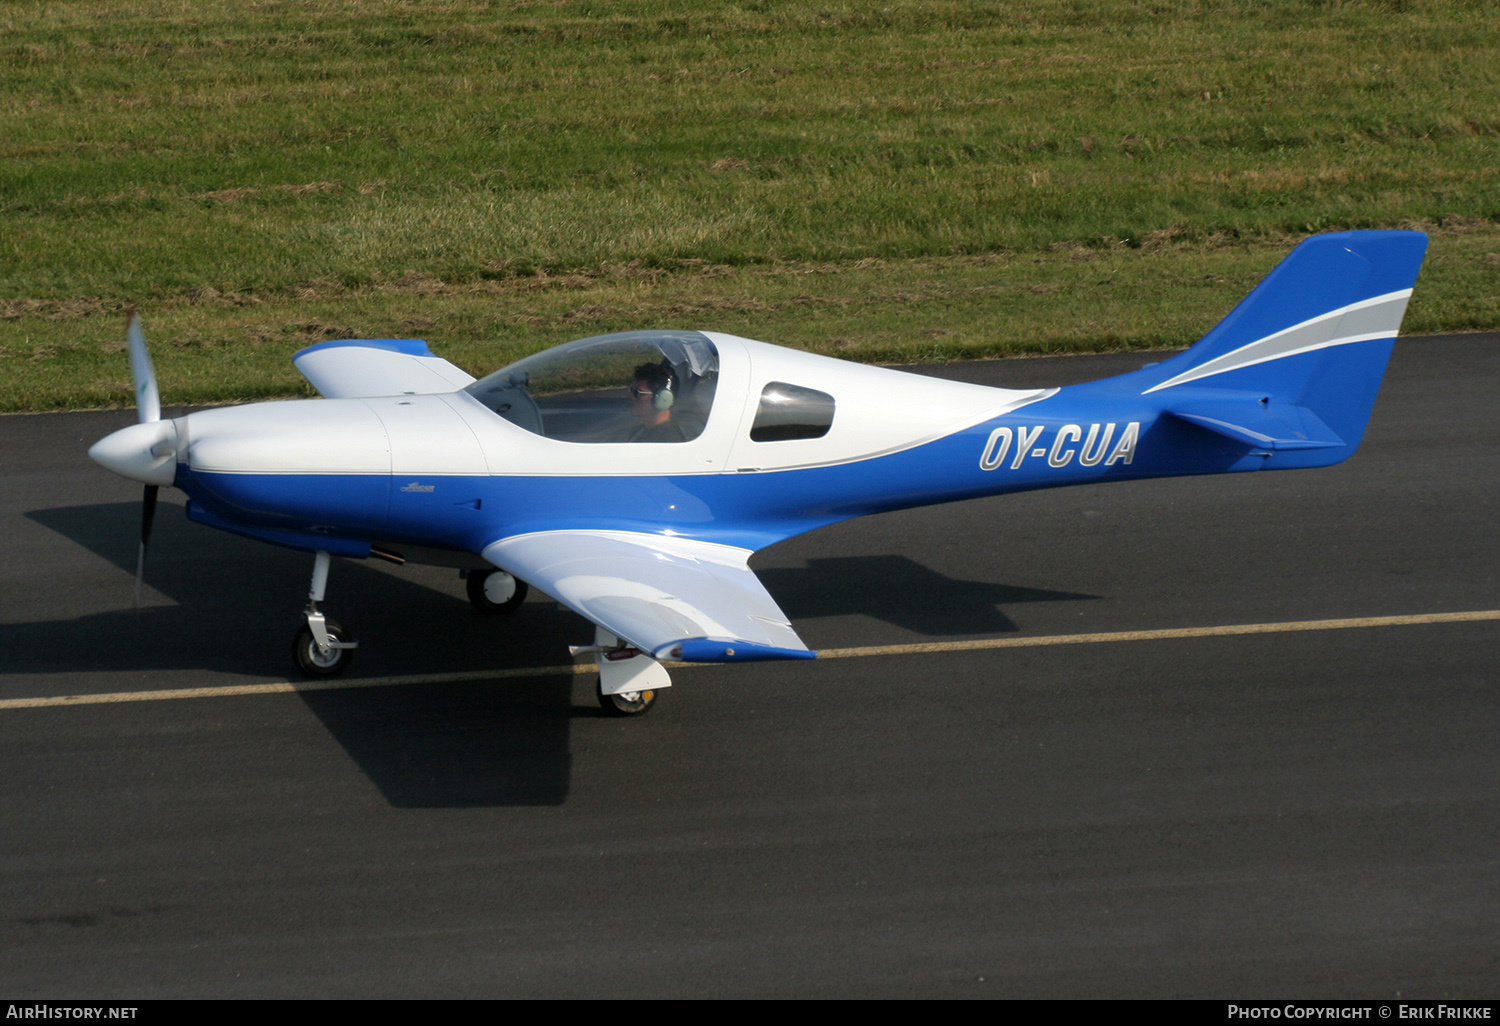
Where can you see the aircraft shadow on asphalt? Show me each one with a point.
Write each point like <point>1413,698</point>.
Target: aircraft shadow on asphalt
<point>235,605</point>
<point>903,593</point>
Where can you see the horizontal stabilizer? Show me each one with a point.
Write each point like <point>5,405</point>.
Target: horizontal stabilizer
<point>1257,421</point>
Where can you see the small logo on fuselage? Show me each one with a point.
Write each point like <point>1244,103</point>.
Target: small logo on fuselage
<point>418,487</point>
<point>1069,442</point>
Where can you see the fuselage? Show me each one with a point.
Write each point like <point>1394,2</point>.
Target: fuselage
<point>444,471</point>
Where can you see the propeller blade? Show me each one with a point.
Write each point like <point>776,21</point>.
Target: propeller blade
<point>148,515</point>
<point>147,399</point>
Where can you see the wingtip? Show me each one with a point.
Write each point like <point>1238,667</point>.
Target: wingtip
<point>711,650</point>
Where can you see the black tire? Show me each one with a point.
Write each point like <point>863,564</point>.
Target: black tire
<point>481,601</point>
<point>313,663</point>
<point>631,703</point>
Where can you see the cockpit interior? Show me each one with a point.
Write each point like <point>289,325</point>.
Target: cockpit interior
<point>610,388</point>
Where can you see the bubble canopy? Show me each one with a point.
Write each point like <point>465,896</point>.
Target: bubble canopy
<point>581,391</point>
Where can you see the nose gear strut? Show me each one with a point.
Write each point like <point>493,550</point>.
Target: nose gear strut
<point>320,648</point>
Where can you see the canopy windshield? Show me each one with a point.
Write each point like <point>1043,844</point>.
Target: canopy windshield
<point>636,386</point>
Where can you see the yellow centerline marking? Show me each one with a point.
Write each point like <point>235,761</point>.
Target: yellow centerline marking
<point>918,648</point>
<point>1163,635</point>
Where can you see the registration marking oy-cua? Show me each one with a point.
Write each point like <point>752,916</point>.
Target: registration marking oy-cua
<point>917,648</point>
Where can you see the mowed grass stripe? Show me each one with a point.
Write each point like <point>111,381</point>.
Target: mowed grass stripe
<point>919,648</point>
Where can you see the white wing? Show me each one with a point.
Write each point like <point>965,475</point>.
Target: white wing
<point>361,367</point>
<point>670,597</point>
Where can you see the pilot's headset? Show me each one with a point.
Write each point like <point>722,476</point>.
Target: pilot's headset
<point>663,398</point>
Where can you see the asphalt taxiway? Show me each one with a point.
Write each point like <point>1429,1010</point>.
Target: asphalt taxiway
<point>1159,806</point>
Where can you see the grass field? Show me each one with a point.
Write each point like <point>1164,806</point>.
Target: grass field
<point>915,180</point>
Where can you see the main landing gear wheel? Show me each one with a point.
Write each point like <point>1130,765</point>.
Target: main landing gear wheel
<point>316,663</point>
<point>494,592</point>
<point>628,703</point>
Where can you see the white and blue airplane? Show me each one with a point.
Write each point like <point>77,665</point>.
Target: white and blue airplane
<point>640,513</point>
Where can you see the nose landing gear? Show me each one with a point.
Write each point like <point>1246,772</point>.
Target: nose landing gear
<point>319,648</point>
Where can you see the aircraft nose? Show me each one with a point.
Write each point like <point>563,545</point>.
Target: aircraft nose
<point>141,452</point>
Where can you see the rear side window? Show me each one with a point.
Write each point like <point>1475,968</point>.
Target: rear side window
<point>791,411</point>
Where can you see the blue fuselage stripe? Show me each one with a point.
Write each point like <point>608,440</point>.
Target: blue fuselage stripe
<point>750,510</point>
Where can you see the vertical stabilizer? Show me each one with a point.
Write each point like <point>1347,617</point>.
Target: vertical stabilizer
<point>1297,364</point>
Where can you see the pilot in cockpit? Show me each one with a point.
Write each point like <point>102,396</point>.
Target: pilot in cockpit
<point>652,396</point>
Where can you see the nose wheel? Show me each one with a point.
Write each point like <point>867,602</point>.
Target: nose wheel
<point>316,660</point>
